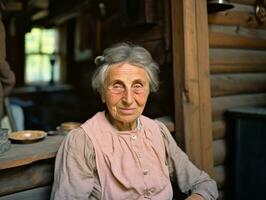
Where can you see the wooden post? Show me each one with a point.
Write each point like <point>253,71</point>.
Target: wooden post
<point>192,80</point>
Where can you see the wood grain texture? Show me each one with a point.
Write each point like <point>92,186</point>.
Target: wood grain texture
<point>25,177</point>
<point>219,175</point>
<point>228,84</point>
<point>241,15</point>
<point>221,56</point>
<point>221,104</point>
<point>248,2</point>
<point>218,129</point>
<point>236,37</point>
<point>191,76</point>
<point>23,154</point>
<point>238,68</point>
<point>219,152</point>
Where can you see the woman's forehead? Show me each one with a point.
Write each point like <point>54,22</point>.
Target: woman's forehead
<point>126,71</point>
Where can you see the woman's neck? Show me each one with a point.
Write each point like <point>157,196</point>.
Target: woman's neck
<point>121,126</point>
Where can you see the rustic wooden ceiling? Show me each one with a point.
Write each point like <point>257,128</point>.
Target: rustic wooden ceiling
<point>41,12</point>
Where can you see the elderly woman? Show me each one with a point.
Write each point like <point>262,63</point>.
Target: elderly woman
<point>119,153</point>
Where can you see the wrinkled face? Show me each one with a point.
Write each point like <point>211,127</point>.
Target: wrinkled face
<point>125,94</point>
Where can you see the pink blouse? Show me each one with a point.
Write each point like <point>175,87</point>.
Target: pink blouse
<point>97,161</point>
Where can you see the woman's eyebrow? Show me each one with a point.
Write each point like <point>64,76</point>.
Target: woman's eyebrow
<point>139,81</point>
<point>117,81</point>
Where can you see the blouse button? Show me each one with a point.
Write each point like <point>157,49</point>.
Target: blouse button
<point>133,137</point>
<point>145,171</point>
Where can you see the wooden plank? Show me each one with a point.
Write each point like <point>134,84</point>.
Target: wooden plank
<point>22,154</point>
<point>220,56</point>
<point>236,37</point>
<point>204,86</point>
<point>178,71</point>
<point>228,84</point>
<point>248,2</point>
<point>218,129</point>
<point>219,152</point>
<point>238,31</point>
<point>40,193</point>
<point>25,177</point>
<point>241,15</point>
<point>221,104</point>
<point>191,94</point>
<point>191,72</point>
<point>219,175</point>
<point>222,69</point>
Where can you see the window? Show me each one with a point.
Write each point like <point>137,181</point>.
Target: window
<point>41,56</point>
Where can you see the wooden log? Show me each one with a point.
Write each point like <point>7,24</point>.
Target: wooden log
<point>219,152</point>
<point>219,175</point>
<point>236,37</point>
<point>222,69</point>
<point>191,80</point>
<point>218,129</point>
<point>220,56</point>
<point>248,2</point>
<point>228,84</point>
<point>221,104</point>
<point>241,15</point>
<point>25,177</point>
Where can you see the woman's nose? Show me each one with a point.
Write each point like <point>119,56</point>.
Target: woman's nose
<point>127,96</point>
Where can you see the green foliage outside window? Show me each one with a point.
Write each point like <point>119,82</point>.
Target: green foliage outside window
<point>40,44</point>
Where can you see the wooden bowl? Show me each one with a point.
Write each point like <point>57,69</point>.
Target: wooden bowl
<point>68,126</point>
<point>27,135</point>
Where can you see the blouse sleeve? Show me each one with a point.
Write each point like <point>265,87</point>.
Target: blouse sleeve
<point>182,171</point>
<point>74,168</point>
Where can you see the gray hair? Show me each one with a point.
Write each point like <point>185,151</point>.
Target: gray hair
<point>125,52</point>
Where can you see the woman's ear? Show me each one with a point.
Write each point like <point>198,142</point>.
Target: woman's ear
<point>103,98</point>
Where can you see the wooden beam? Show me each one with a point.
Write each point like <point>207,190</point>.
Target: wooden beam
<point>219,152</point>
<point>220,175</point>
<point>249,2</point>
<point>240,15</point>
<point>220,56</point>
<point>191,79</point>
<point>221,104</point>
<point>178,69</point>
<point>236,37</point>
<point>218,129</point>
<point>223,69</point>
<point>228,84</point>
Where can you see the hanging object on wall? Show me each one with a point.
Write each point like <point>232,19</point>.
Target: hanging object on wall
<point>260,12</point>
<point>218,5</point>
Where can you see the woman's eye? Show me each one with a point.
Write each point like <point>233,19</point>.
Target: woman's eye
<point>137,86</point>
<point>117,86</point>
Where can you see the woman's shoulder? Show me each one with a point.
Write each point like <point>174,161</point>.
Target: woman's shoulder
<point>77,139</point>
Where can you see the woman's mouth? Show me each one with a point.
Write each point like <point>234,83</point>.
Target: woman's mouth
<point>127,111</point>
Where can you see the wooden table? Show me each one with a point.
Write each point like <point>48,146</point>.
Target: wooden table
<point>28,166</point>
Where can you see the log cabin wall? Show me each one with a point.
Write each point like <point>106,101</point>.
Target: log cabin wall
<point>238,75</point>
